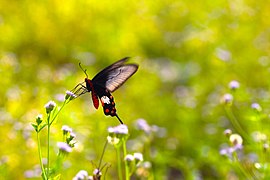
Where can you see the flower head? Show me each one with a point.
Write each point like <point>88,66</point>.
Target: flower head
<point>138,157</point>
<point>236,139</point>
<point>117,133</point>
<point>66,129</point>
<point>72,135</point>
<point>50,106</point>
<point>70,95</point>
<point>228,132</point>
<point>227,99</point>
<point>143,125</point>
<point>118,130</point>
<point>234,85</point>
<point>64,147</point>
<point>97,173</point>
<point>81,175</point>
<point>129,158</point>
<point>121,129</point>
<point>113,140</point>
<point>256,107</point>
<point>265,146</point>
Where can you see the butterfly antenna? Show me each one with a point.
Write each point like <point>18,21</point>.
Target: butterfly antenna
<point>84,70</point>
<point>119,119</point>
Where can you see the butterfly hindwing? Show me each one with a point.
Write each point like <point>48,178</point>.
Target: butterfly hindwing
<point>106,100</point>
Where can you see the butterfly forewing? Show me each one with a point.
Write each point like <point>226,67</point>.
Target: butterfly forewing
<point>115,75</point>
<point>100,75</point>
<point>118,76</point>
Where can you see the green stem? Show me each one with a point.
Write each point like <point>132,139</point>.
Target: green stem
<point>236,124</point>
<point>65,102</point>
<point>48,148</point>
<point>40,157</point>
<point>119,163</point>
<point>239,166</point>
<point>126,165</point>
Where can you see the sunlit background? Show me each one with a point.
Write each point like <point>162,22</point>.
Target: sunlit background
<point>187,51</point>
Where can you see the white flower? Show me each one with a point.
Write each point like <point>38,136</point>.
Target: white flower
<point>120,129</point>
<point>236,139</point>
<point>113,140</point>
<point>50,106</point>
<point>227,98</point>
<point>143,125</point>
<point>66,129</point>
<point>256,107</point>
<point>81,175</point>
<point>138,156</point>
<point>70,95</point>
<point>64,147</point>
<point>129,157</point>
<point>234,85</point>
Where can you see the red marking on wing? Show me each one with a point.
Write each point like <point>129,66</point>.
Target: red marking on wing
<point>95,99</point>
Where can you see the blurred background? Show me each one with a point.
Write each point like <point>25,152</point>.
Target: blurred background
<point>188,52</point>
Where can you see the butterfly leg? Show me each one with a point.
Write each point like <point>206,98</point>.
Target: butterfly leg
<point>78,85</point>
<point>79,90</point>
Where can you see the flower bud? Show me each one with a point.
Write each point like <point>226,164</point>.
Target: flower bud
<point>39,119</point>
<point>233,85</point>
<point>50,106</point>
<point>64,147</point>
<point>227,99</point>
<point>256,107</point>
<point>70,95</point>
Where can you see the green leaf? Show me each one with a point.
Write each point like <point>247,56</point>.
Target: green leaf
<point>35,127</point>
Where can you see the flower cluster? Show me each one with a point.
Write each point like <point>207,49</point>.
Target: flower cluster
<point>136,158</point>
<point>117,134</point>
<point>236,143</point>
<point>69,136</point>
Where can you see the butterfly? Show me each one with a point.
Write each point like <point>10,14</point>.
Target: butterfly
<point>104,83</point>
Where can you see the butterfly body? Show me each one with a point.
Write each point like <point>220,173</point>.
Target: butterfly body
<point>107,100</point>
<point>106,82</point>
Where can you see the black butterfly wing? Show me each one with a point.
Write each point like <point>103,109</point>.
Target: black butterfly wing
<point>113,76</point>
<point>112,66</point>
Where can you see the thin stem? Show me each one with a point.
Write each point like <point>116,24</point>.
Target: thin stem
<point>48,148</point>
<point>103,151</point>
<point>126,164</point>
<point>239,166</point>
<point>119,163</point>
<point>40,157</point>
<point>64,103</point>
<point>236,124</point>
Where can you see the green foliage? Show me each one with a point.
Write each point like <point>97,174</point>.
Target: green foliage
<point>188,53</point>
